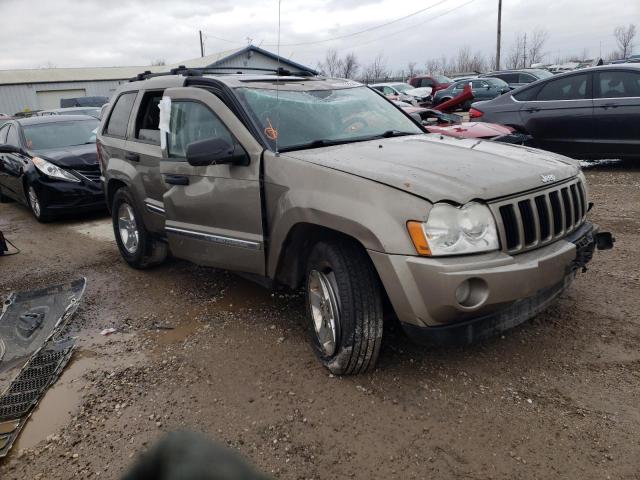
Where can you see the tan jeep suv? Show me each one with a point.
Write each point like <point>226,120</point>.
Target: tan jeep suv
<point>322,182</point>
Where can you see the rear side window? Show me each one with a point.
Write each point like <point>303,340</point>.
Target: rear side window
<point>526,94</point>
<point>617,84</point>
<point>573,87</point>
<point>190,122</point>
<point>426,82</point>
<point>509,77</point>
<point>526,78</point>
<point>119,118</point>
<point>149,118</point>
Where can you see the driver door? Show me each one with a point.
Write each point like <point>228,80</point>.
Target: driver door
<point>214,212</point>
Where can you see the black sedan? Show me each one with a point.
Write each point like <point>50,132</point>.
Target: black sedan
<point>50,164</point>
<point>482,88</point>
<point>588,113</point>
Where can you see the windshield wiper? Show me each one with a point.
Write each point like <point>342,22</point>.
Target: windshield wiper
<point>322,142</point>
<point>394,133</point>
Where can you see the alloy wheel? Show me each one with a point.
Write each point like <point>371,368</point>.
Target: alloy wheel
<point>322,293</point>
<point>34,202</point>
<point>128,228</point>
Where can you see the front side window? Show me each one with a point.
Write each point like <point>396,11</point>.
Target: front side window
<point>308,118</point>
<point>617,84</point>
<point>41,136</point>
<point>527,78</point>
<point>426,82</point>
<point>119,118</point>
<point>190,122</point>
<point>13,138</point>
<point>572,87</point>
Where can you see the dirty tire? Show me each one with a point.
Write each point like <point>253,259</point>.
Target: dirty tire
<point>149,251</point>
<point>358,292</point>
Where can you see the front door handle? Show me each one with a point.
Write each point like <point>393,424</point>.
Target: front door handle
<point>532,109</point>
<point>132,157</point>
<point>176,179</point>
<point>609,105</point>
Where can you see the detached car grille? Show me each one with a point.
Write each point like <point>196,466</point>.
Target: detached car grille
<point>539,218</point>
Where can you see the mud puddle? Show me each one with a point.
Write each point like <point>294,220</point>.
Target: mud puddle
<point>61,402</point>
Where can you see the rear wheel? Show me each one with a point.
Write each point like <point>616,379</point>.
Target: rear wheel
<point>344,307</point>
<point>138,248</point>
<point>38,207</point>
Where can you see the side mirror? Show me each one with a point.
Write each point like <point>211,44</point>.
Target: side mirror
<point>215,151</point>
<point>5,148</point>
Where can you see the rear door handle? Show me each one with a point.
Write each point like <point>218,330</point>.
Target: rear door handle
<point>176,179</point>
<point>532,109</point>
<point>132,157</point>
<point>609,105</point>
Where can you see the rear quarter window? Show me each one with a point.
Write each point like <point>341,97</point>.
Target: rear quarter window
<point>525,94</point>
<point>119,118</point>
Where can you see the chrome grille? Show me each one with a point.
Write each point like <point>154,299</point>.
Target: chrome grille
<point>538,218</point>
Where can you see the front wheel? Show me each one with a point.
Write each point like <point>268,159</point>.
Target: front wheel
<point>38,207</point>
<point>138,248</point>
<point>344,307</point>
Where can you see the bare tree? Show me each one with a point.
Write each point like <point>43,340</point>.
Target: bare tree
<point>412,69</point>
<point>515,58</point>
<point>349,66</point>
<point>376,70</point>
<point>433,66</point>
<point>536,46</point>
<point>624,37</point>
<point>158,62</point>
<point>463,59</point>
<point>332,64</point>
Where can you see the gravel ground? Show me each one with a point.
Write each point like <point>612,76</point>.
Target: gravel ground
<point>204,350</point>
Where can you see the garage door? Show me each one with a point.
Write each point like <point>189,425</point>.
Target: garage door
<point>51,98</point>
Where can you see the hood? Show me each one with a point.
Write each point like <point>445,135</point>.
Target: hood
<point>444,168</point>
<point>471,130</point>
<point>75,156</point>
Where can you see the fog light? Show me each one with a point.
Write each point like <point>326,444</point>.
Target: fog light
<point>472,293</point>
<point>462,292</point>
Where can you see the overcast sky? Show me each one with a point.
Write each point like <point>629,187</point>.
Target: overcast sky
<point>67,33</point>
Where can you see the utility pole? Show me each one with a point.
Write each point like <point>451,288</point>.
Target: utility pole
<point>201,44</point>
<point>524,51</point>
<point>499,34</point>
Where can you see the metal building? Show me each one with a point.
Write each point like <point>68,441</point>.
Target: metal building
<point>39,89</point>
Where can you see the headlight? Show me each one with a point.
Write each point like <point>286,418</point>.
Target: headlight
<point>53,171</point>
<point>453,230</point>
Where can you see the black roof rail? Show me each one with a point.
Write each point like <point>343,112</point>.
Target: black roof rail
<point>195,72</point>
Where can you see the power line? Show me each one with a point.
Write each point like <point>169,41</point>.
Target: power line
<point>341,37</point>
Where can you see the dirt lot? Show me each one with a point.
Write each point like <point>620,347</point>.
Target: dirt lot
<point>557,398</point>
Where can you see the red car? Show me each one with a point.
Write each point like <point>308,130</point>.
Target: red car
<point>451,125</point>
<point>436,82</point>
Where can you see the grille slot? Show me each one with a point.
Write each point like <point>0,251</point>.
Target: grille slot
<point>92,175</point>
<point>534,220</point>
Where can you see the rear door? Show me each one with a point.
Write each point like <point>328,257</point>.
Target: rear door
<point>213,213</point>
<point>616,112</point>
<point>561,116</point>
<point>144,154</point>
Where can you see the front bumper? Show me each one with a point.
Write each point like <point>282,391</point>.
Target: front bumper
<point>506,290</point>
<point>59,195</point>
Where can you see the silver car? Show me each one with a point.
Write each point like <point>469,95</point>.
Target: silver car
<point>323,184</point>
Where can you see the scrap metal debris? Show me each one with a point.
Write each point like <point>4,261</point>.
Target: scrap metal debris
<point>32,356</point>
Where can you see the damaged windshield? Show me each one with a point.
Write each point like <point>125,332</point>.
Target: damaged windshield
<point>315,118</point>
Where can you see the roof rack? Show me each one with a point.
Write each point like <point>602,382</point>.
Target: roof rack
<point>197,72</point>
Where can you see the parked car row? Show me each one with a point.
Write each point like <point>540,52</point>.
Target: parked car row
<point>588,113</point>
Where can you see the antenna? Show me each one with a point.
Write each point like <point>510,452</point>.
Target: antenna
<point>278,85</point>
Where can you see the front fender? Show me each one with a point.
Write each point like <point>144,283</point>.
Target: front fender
<point>373,214</point>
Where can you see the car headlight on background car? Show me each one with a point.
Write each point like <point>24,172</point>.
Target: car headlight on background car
<point>451,230</point>
<point>53,171</point>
